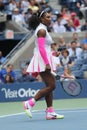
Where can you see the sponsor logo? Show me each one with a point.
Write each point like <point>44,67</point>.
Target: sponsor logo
<point>8,93</point>
<point>72,86</point>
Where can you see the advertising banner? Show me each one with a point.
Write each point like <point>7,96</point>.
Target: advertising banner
<point>24,91</point>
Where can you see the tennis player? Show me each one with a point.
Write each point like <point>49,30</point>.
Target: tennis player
<point>43,63</point>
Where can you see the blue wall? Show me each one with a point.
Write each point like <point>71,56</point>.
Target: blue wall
<point>23,91</point>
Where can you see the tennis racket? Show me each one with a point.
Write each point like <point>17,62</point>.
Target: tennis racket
<point>71,87</point>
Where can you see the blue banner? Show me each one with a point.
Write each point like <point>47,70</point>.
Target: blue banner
<point>23,91</point>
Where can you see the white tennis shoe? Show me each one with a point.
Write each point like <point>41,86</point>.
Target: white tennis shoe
<point>28,108</point>
<point>53,115</point>
<point>49,115</point>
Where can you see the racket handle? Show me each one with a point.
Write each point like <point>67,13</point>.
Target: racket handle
<point>52,72</point>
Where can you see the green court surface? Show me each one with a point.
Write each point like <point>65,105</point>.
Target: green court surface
<point>17,107</point>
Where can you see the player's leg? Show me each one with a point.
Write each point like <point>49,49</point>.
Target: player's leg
<point>42,93</point>
<point>50,113</point>
<point>49,80</point>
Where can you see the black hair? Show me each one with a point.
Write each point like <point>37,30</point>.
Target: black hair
<point>73,42</point>
<point>59,15</point>
<point>11,80</point>
<point>66,51</point>
<point>63,7</point>
<point>9,65</point>
<point>35,19</point>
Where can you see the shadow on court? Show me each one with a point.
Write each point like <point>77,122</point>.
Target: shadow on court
<point>75,119</point>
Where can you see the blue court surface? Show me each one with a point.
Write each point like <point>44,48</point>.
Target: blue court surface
<point>75,119</point>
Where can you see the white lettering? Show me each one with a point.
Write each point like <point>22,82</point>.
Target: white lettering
<point>9,93</point>
<point>27,93</point>
<point>19,93</point>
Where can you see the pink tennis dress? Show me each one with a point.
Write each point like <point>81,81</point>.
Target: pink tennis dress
<point>37,63</point>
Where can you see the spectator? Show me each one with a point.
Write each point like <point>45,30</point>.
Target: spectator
<point>28,14</point>
<point>75,38</point>
<point>70,26</point>
<point>84,52</point>
<point>65,13</point>
<point>79,4</point>
<point>8,79</point>
<point>72,5</point>
<point>61,46</point>
<point>7,71</point>
<point>56,54</point>
<point>32,6</point>
<point>84,40</point>
<point>65,60</point>
<point>75,20</point>
<point>61,43</point>
<point>12,5</point>
<point>74,51</point>
<point>67,75</point>
<point>84,46</point>
<point>47,6</point>
<point>2,58</point>
<point>83,8</point>
<point>54,47</point>
<point>40,4</point>
<point>18,5</point>
<point>84,27</point>
<point>24,5</point>
<point>18,18</point>
<point>57,26</point>
<point>26,77</point>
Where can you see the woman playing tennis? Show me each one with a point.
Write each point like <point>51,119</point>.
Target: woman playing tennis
<point>43,63</point>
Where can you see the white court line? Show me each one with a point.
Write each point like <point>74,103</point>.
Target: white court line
<point>41,111</point>
<point>12,115</point>
<point>16,114</point>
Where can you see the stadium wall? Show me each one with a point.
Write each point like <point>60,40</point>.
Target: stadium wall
<point>23,91</point>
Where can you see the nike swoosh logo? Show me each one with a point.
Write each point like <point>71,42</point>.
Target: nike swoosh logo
<point>53,115</point>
